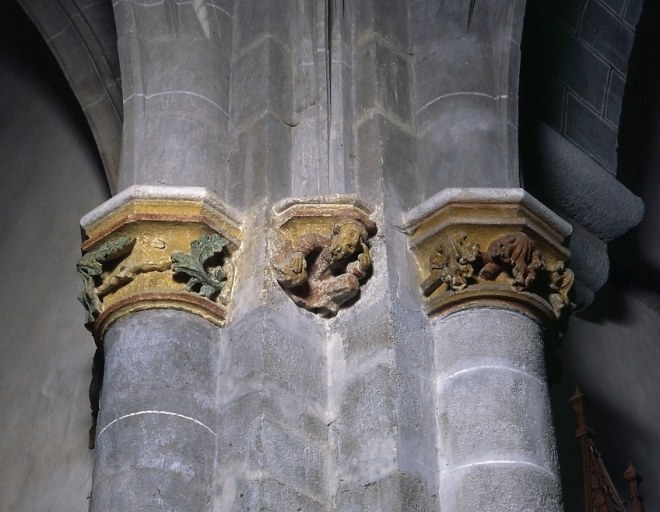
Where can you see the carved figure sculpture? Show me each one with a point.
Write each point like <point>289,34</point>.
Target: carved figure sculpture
<point>561,282</point>
<point>451,264</point>
<point>515,254</point>
<point>321,273</point>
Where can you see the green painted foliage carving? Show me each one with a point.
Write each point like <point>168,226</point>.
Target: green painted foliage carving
<point>92,265</point>
<point>203,266</point>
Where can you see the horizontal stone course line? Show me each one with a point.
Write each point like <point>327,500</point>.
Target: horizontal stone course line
<point>59,33</point>
<point>373,36</point>
<point>259,41</point>
<point>490,367</point>
<point>262,475</point>
<point>501,463</point>
<point>91,4</point>
<point>98,100</point>
<point>599,56</point>
<point>450,94</point>
<point>243,126</point>
<point>188,93</point>
<point>214,6</point>
<point>140,4</point>
<point>339,61</point>
<point>290,429</point>
<point>599,113</point>
<point>303,64</point>
<point>166,413</point>
<point>384,113</point>
<point>618,15</point>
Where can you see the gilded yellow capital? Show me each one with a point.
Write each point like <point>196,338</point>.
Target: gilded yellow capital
<point>155,247</point>
<point>509,252</point>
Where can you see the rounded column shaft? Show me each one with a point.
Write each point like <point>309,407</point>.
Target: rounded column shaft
<point>497,446</point>
<point>155,442</point>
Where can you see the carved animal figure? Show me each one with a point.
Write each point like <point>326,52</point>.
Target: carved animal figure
<point>514,254</point>
<point>321,273</point>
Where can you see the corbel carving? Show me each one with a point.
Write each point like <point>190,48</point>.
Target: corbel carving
<point>474,252</point>
<point>157,247</point>
<point>320,255</point>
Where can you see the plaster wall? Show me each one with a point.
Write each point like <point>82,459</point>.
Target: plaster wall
<point>50,176</point>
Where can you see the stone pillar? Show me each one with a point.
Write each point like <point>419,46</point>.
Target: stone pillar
<point>157,263</point>
<point>491,267</point>
<point>157,275</point>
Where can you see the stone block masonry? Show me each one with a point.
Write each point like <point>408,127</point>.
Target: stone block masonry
<point>581,53</point>
<point>358,151</point>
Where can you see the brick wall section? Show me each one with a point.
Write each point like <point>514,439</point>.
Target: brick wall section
<point>575,60</point>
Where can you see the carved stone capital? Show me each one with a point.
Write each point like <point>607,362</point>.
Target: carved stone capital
<point>320,251</point>
<point>157,247</point>
<point>490,247</point>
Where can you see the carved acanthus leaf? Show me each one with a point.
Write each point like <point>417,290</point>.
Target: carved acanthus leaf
<point>205,273</point>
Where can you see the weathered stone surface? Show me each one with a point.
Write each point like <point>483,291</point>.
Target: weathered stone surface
<point>501,487</point>
<point>270,141</point>
<point>257,20</point>
<point>604,31</point>
<point>261,79</point>
<point>523,353</point>
<point>389,20</point>
<point>469,122</point>
<point>494,411</point>
<point>574,183</point>
<point>289,411</point>
<point>152,460</point>
<point>582,125</point>
<point>384,82</point>
<point>156,429</point>
<point>182,357</point>
<point>394,492</point>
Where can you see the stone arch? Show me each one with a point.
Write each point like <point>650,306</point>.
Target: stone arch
<point>82,36</point>
<point>573,72</point>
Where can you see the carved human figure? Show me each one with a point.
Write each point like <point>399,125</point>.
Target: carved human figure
<point>451,264</point>
<point>322,273</point>
<point>515,254</point>
<point>561,282</point>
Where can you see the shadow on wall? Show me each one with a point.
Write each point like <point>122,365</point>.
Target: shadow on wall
<point>24,53</point>
<point>612,348</point>
<point>636,256</point>
<point>50,175</point>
